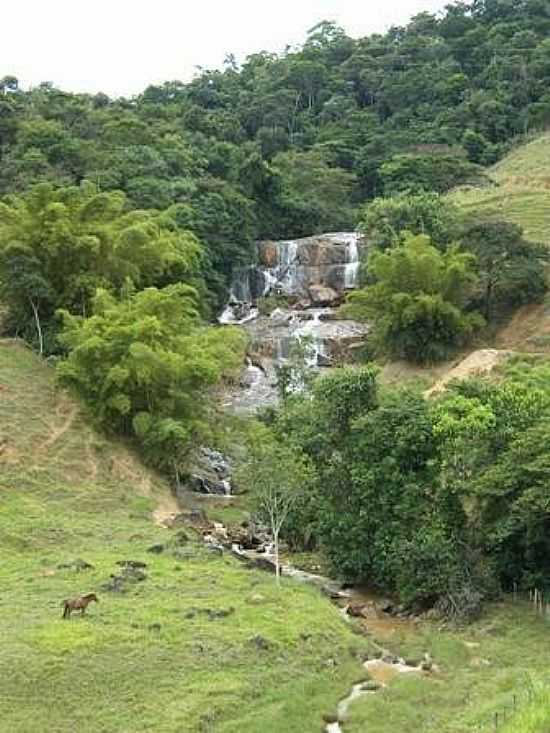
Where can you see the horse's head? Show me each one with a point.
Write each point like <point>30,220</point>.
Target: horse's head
<point>92,597</point>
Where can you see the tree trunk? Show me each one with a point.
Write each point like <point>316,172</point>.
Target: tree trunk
<point>38,327</point>
<point>277,565</point>
<point>488,300</point>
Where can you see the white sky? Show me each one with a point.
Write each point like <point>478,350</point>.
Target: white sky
<point>121,46</point>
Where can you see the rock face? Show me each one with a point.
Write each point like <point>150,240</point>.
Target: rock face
<point>313,275</point>
<point>211,473</point>
<point>322,295</point>
<point>297,267</point>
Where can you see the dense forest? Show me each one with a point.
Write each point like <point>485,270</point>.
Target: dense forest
<point>293,144</point>
<point>121,221</point>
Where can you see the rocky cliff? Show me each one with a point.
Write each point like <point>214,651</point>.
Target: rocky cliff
<point>317,269</point>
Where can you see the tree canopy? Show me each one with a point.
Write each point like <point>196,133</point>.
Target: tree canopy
<point>416,299</point>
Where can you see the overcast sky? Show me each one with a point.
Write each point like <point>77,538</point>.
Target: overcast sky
<point>121,46</point>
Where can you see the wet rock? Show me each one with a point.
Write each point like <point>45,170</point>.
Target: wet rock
<point>324,361</point>
<point>262,563</point>
<point>204,485</point>
<point>268,253</point>
<point>321,295</point>
<point>290,267</point>
<point>216,461</point>
<point>210,473</point>
<point>279,317</point>
<point>390,659</point>
<point>78,565</point>
<point>214,549</point>
<point>358,610</point>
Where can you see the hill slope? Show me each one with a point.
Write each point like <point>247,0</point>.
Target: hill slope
<point>152,658</point>
<point>520,190</point>
<point>520,194</point>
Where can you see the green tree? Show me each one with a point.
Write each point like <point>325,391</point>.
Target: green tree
<point>144,367</point>
<point>427,172</point>
<point>511,270</point>
<point>276,476</point>
<point>57,246</point>
<point>416,303</point>
<point>385,220</point>
<point>315,197</point>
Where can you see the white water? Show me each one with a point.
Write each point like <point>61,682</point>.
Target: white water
<point>376,668</point>
<point>292,274</point>
<point>228,317</point>
<point>351,270</point>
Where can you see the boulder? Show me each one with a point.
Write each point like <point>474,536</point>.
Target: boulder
<point>210,473</point>
<point>204,485</point>
<point>321,295</point>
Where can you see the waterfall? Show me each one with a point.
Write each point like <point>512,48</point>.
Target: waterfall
<point>240,287</point>
<point>286,270</point>
<point>351,268</point>
<point>291,268</point>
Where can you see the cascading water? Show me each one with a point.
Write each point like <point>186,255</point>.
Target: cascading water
<point>311,272</point>
<point>351,270</point>
<point>285,274</point>
<point>291,267</point>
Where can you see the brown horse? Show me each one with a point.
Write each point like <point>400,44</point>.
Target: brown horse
<point>78,604</point>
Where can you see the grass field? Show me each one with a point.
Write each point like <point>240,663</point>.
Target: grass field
<point>520,190</point>
<point>151,659</point>
<point>203,643</point>
<point>535,717</point>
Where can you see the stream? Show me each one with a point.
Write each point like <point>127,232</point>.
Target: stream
<point>309,278</point>
<point>352,601</point>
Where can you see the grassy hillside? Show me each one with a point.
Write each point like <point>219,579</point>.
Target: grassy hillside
<point>520,190</point>
<point>150,659</point>
<point>170,655</point>
<point>520,193</point>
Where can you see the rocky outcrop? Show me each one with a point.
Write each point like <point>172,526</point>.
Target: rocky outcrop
<point>323,295</point>
<point>210,474</point>
<point>296,268</point>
